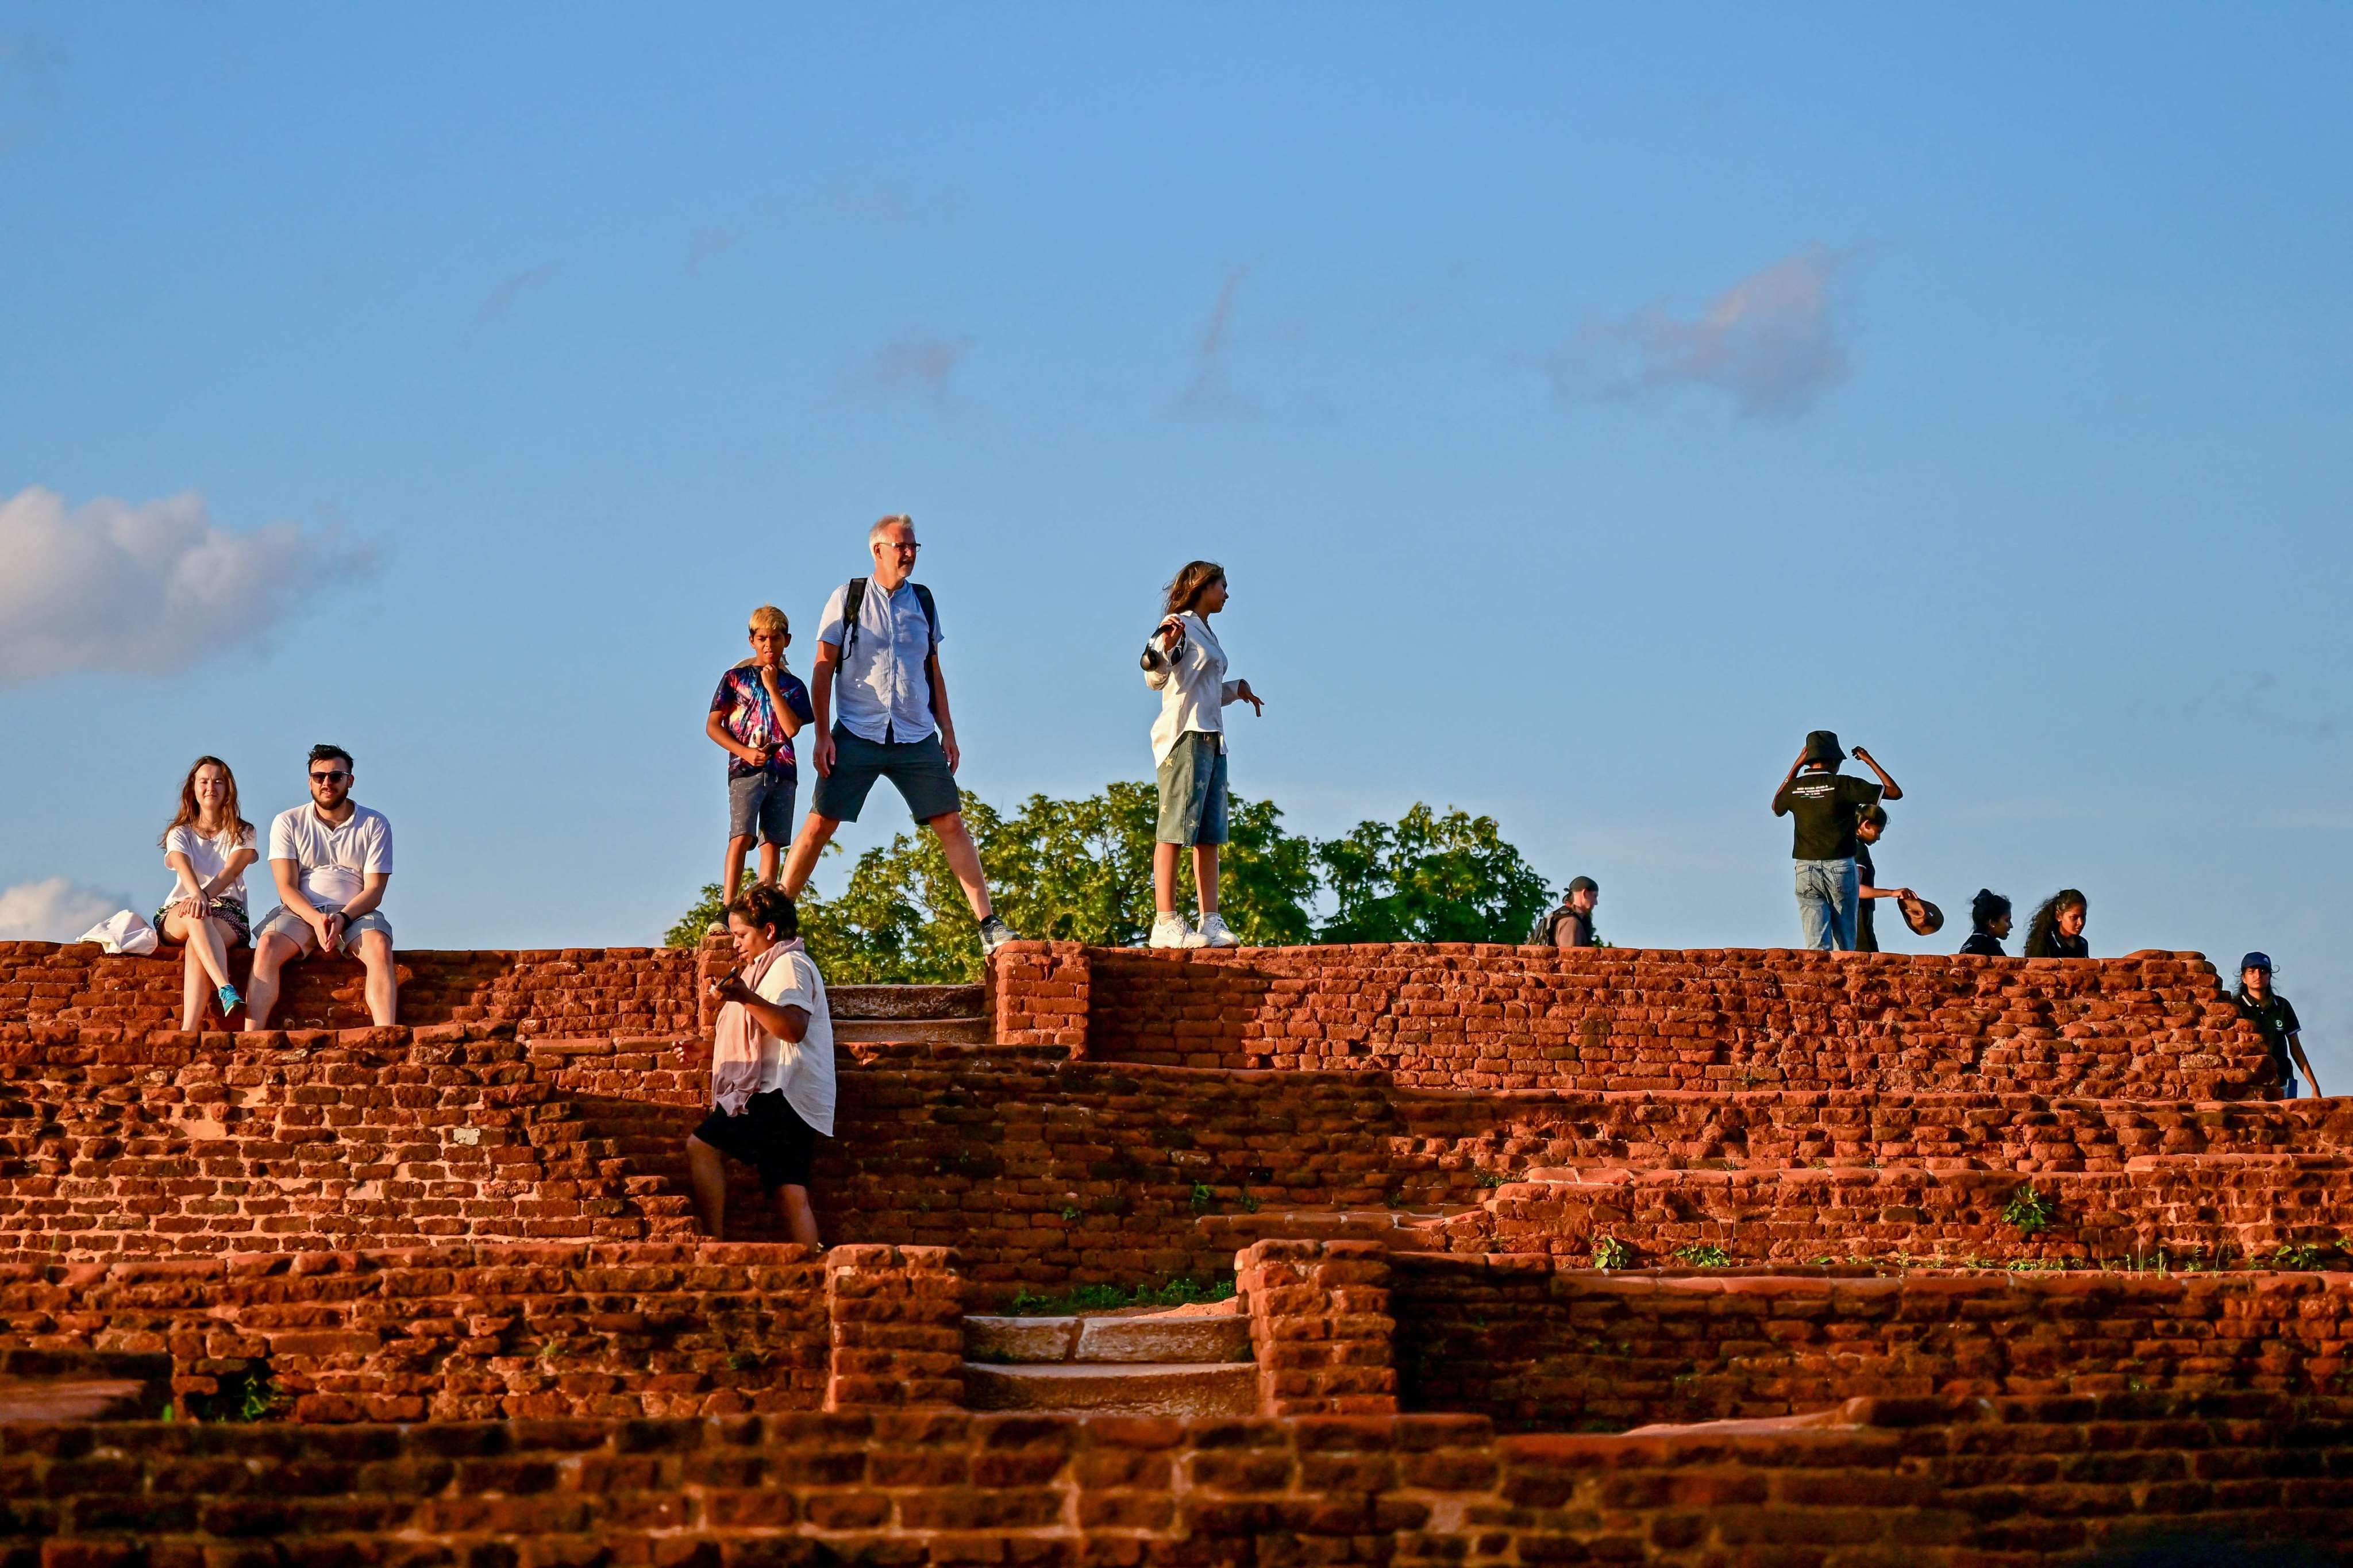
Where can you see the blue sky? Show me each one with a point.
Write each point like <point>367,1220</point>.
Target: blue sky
<point>1584,405</point>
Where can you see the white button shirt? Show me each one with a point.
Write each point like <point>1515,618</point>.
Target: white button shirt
<point>1194,694</point>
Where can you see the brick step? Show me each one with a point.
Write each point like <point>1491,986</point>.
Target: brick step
<point>1185,1390</point>
<point>970,1031</point>
<point>874,1002</point>
<point>1198,1338</point>
<point>1401,1228</point>
<point>2186,1208</point>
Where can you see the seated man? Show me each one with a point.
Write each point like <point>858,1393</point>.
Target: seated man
<point>332,861</point>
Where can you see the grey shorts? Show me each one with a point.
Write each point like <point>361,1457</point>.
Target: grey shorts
<point>919,769</point>
<point>1193,792</point>
<point>761,806</point>
<point>296,930</point>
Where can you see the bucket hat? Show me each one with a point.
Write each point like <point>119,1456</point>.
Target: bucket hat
<point>1821,746</point>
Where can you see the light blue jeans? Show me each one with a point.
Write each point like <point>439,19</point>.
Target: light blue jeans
<point>1828,897</point>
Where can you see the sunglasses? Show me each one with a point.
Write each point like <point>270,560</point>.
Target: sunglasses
<point>338,776</point>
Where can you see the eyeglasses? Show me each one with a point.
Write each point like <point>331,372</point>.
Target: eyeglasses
<point>338,776</point>
<point>907,548</point>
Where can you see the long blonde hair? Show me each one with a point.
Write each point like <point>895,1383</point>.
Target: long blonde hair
<point>1187,585</point>
<point>192,814</point>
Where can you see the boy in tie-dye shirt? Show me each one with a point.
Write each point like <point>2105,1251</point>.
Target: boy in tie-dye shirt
<point>758,709</point>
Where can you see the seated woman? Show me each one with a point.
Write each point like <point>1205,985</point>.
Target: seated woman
<point>1989,923</point>
<point>771,1067</point>
<point>207,846</point>
<point>2057,928</point>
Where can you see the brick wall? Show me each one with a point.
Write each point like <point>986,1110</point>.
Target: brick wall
<point>2155,1025</point>
<point>1940,1484</point>
<point>1319,1324</point>
<point>568,991</point>
<point>1537,1344</point>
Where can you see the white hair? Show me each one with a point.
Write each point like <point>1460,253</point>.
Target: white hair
<point>896,519</point>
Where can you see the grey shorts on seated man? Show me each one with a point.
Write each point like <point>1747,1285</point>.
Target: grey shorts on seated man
<point>285,922</point>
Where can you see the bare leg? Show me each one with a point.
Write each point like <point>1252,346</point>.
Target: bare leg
<point>1163,878</point>
<point>769,856</point>
<point>269,954</point>
<point>800,1220</point>
<point>205,946</point>
<point>730,875</point>
<point>706,1172</point>
<point>383,982</point>
<point>194,992</point>
<point>963,859</point>
<point>1205,876</point>
<point>816,832</point>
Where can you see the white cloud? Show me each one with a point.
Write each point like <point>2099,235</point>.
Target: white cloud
<point>147,589</point>
<point>1772,342</point>
<point>53,910</point>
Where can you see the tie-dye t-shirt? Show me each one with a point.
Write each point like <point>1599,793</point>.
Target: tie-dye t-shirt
<point>742,704</point>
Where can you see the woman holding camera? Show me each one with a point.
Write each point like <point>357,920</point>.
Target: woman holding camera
<point>1183,662</point>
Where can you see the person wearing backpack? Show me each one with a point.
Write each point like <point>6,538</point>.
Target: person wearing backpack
<point>1570,923</point>
<point>877,648</point>
<point>1183,662</point>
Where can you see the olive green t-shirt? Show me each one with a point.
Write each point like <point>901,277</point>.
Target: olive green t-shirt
<point>1827,806</point>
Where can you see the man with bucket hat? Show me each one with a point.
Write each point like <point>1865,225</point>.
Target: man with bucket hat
<point>1827,804</point>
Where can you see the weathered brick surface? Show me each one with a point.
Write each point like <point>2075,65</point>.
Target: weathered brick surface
<point>1537,1344</point>
<point>897,1335</point>
<point>2207,1207</point>
<point>2155,1025</point>
<point>566,991</point>
<point>1947,1484</point>
<point>1319,1324</point>
<point>456,1333</point>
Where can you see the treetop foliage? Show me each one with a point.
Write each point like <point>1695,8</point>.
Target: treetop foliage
<point>1081,870</point>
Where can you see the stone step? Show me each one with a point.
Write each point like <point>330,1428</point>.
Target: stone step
<point>971,1031</point>
<point>1183,1390</point>
<point>1160,1339</point>
<point>1409,1230</point>
<point>901,1001</point>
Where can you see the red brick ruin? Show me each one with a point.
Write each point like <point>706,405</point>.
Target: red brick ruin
<point>1752,1258</point>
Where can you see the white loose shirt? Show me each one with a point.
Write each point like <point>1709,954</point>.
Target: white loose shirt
<point>332,860</point>
<point>1194,694</point>
<point>206,856</point>
<point>802,1069</point>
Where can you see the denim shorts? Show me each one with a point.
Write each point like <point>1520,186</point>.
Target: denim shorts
<point>1193,792</point>
<point>919,769</point>
<point>761,806</point>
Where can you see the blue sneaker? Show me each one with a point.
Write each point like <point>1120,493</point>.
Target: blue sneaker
<point>229,1000</point>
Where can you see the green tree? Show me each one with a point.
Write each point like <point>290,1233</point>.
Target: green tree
<point>1429,878</point>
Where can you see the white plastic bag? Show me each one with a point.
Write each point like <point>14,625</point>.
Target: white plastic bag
<point>123,932</point>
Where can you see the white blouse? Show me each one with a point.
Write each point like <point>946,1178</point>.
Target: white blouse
<point>208,855</point>
<point>1193,694</point>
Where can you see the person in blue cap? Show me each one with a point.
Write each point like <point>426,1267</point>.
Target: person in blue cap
<point>2269,1012</point>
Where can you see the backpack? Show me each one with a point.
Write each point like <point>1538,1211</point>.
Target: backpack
<point>853,596</point>
<point>1540,933</point>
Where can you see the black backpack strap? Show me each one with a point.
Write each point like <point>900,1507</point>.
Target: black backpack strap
<point>931,618</point>
<point>853,596</point>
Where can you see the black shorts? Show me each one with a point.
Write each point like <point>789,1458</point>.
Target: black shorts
<point>768,1133</point>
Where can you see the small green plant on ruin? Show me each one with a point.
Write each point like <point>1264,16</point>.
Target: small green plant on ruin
<point>1110,1297</point>
<point>2032,1210</point>
<point>2302,1254</point>
<point>1250,1203</point>
<point>250,1394</point>
<point>1704,1254</point>
<point>1203,1197</point>
<point>1070,1213</point>
<point>1493,1178</point>
<point>1609,1252</point>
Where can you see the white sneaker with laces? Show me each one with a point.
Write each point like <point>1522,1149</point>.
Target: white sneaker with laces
<point>1214,933</point>
<point>1170,930</point>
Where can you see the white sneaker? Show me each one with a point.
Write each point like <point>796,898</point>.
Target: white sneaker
<point>1213,933</point>
<point>1170,930</point>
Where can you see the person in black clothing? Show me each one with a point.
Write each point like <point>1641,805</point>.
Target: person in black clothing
<point>2057,928</point>
<point>1989,917</point>
<point>1827,805</point>
<point>1867,831</point>
<point>1571,925</point>
<point>2269,1012</point>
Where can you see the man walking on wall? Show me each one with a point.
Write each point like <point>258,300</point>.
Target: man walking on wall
<point>878,647</point>
<point>1827,804</point>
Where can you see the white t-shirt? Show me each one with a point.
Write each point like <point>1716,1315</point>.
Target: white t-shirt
<point>208,855</point>
<point>804,1071</point>
<point>332,859</point>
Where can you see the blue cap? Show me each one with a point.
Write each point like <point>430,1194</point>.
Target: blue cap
<point>2262,961</point>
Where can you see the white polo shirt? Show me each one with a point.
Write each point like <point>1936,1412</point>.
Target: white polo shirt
<point>332,859</point>
<point>803,1069</point>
